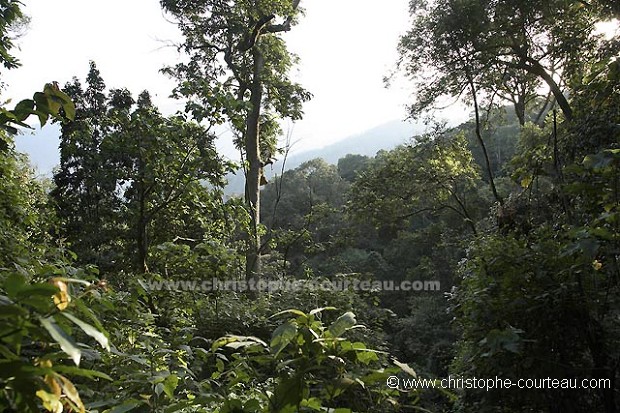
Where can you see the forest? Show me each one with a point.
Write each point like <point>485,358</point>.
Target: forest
<point>486,253</point>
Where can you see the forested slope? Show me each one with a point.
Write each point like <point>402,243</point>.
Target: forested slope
<point>130,283</point>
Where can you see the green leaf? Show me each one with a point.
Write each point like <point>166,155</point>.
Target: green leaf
<point>125,407</point>
<point>170,384</point>
<point>244,340</point>
<point>252,405</point>
<point>13,284</point>
<point>43,108</point>
<point>288,393</point>
<point>367,356</point>
<point>76,371</point>
<point>41,289</point>
<point>320,310</point>
<point>62,100</point>
<point>90,330</point>
<point>69,109</point>
<point>159,389</point>
<point>313,403</point>
<point>66,343</point>
<point>282,336</point>
<point>24,109</point>
<point>342,324</point>
<point>236,345</point>
<point>292,311</point>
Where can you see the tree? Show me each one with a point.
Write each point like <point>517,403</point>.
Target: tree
<point>552,250</point>
<point>125,166</point>
<point>173,174</point>
<point>86,183</point>
<point>511,49</point>
<point>302,210</point>
<point>435,173</point>
<point>238,72</point>
<point>24,212</point>
<point>10,14</point>
<point>351,166</point>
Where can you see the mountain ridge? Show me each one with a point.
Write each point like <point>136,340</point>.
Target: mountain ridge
<point>383,137</point>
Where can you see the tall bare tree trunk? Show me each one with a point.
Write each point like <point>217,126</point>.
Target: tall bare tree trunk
<point>252,148</point>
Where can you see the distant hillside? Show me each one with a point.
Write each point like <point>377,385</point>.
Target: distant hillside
<point>42,147</point>
<point>386,136</point>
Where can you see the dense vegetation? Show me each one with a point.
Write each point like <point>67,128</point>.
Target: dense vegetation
<point>515,214</point>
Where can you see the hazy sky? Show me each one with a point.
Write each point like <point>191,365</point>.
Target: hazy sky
<point>346,48</point>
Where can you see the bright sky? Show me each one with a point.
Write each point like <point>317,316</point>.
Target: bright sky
<point>346,48</point>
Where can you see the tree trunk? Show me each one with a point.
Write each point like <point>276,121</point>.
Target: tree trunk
<point>483,146</point>
<point>142,247</point>
<point>534,67</point>
<point>141,235</point>
<point>252,182</point>
<point>520,109</point>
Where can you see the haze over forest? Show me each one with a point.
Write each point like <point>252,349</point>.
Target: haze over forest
<point>467,261</point>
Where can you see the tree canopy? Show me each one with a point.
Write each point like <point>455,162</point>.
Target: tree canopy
<point>131,282</point>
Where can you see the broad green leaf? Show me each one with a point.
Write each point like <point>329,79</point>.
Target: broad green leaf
<point>241,344</point>
<point>90,330</point>
<point>170,385</point>
<point>367,356</point>
<point>313,403</point>
<point>43,108</point>
<point>159,389</point>
<point>282,336</point>
<point>66,343</point>
<point>41,289</point>
<point>227,340</point>
<point>342,324</point>
<point>252,406</point>
<point>13,284</point>
<point>288,393</point>
<point>24,109</point>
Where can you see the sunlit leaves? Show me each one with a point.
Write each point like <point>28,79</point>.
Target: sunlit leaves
<point>342,324</point>
<point>62,297</point>
<point>52,102</point>
<point>36,337</point>
<point>90,330</point>
<point>432,174</point>
<point>317,368</point>
<point>66,342</point>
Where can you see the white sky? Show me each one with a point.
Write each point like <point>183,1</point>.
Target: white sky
<point>346,48</point>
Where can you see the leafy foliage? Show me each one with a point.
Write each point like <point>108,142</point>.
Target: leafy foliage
<point>526,254</point>
<point>39,328</point>
<point>126,168</point>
